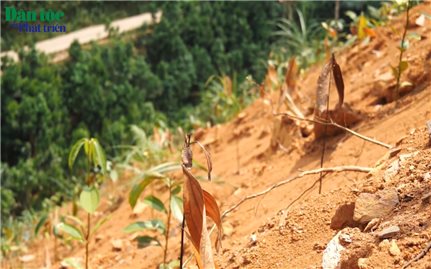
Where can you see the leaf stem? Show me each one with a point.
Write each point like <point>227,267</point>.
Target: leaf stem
<point>397,89</point>
<point>165,251</point>
<point>87,240</point>
<point>182,241</point>
<point>322,157</point>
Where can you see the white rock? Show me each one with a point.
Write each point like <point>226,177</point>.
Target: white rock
<point>117,244</point>
<point>253,240</point>
<point>362,263</point>
<point>394,250</point>
<point>392,171</point>
<point>332,253</point>
<point>27,258</point>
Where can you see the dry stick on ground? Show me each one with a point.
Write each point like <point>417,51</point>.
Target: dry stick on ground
<point>305,191</point>
<point>322,157</point>
<point>335,169</point>
<point>366,138</point>
<point>419,256</point>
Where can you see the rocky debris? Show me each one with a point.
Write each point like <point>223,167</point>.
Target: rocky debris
<point>362,263</point>
<point>393,249</point>
<point>343,216</point>
<point>318,247</point>
<point>391,171</point>
<point>426,198</point>
<point>372,225</point>
<point>332,253</point>
<point>369,206</point>
<point>245,260</point>
<point>389,232</point>
<point>345,239</point>
<point>384,245</point>
<point>346,248</point>
<point>253,240</point>
<point>360,247</point>
<point>117,244</point>
<point>404,157</point>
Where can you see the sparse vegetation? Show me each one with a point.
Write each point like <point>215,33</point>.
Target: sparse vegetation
<point>172,207</point>
<point>173,87</point>
<point>73,228</point>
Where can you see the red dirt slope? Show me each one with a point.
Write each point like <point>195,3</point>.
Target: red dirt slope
<point>244,163</point>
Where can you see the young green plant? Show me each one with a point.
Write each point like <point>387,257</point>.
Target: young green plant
<point>170,208</point>
<point>89,197</point>
<point>402,65</point>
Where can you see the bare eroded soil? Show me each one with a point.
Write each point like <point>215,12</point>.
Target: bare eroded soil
<point>294,236</point>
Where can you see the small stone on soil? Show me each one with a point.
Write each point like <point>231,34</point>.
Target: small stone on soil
<point>117,245</point>
<point>253,240</point>
<point>362,263</point>
<point>394,250</point>
<point>389,232</point>
<point>426,198</point>
<point>27,258</point>
<point>369,206</point>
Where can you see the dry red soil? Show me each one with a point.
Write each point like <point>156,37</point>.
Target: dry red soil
<point>294,235</point>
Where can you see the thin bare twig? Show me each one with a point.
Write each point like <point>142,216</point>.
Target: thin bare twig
<point>322,156</point>
<point>419,256</point>
<point>335,169</point>
<point>331,122</point>
<point>306,191</point>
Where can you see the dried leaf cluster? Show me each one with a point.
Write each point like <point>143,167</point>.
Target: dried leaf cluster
<point>198,204</point>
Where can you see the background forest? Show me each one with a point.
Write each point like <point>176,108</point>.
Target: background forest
<point>166,75</point>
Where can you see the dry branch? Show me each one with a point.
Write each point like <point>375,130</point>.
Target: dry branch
<point>335,169</point>
<point>419,256</point>
<point>331,122</point>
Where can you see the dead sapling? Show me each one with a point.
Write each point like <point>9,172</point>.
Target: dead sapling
<point>341,114</point>
<point>198,204</point>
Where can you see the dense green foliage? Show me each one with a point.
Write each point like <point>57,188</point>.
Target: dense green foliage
<point>158,79</point>
<point>102,90</point>
<point>197,40</point>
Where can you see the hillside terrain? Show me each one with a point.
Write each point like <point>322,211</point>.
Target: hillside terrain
<point>286,228</point>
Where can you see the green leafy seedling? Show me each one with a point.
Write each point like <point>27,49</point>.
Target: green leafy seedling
<point>402,65</point>
<point>172,207</point>
<point>89,198</point>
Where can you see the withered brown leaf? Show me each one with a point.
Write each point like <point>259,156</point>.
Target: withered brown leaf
<point>322,91</point>
<point>323,81</point>
<point>193,203</point>
<point>212,210</point>
<point>338,77</point>
<point>208,157</point>
<point>291,72</point>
